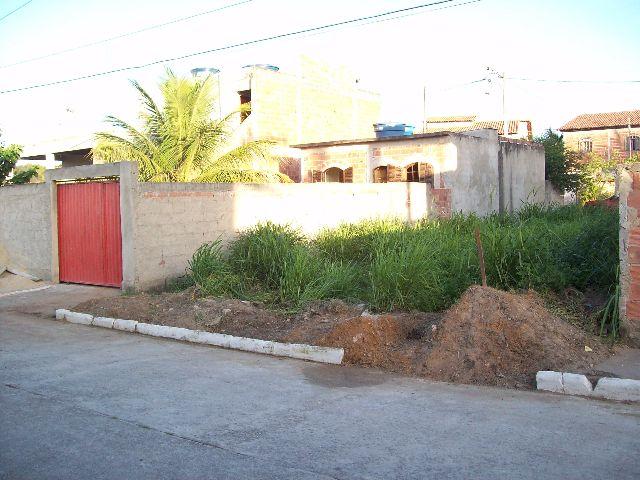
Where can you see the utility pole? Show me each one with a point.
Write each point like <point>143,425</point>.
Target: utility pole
<point>424,108</point>
<point>629,136</point>
<point>505,121</point>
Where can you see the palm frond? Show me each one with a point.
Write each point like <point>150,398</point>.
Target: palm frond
<point>181,142</point>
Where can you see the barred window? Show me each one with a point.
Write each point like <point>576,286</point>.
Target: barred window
<point>413,173</point>
<point>585,145</point>
<point>633,143</point>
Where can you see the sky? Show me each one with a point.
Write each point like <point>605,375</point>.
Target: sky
<point>444,50</point>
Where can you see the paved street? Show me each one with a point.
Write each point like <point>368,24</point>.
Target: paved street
<point>81,402</point>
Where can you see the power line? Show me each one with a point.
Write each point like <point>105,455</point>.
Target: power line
<point>16,9</point>
<point>227,47</point>
<point>570,81</point>
<point>124,35</point>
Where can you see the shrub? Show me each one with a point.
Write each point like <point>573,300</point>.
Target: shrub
<point>425,266</point>
<point>212,273</point>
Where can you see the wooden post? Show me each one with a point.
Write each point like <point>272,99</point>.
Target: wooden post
<point>483,274</point>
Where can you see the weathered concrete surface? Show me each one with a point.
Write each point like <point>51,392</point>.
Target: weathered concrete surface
<point>25,229</point>
<point>618,389</point>
<point>625,364</point>
<point>549,381</point>
<point>82,402</point>
<point>576,384</point>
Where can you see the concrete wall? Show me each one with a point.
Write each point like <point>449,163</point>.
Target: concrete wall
<point>628,185</point>
<point>472,174</point>
<point>552,195</point>
<point>522,174</point>
<point>174,219</point>
<point>25,228</point>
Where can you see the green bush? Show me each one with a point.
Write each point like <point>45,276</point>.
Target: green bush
<point>425,266</point>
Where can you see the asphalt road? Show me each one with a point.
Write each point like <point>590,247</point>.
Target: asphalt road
<point>81,402</point>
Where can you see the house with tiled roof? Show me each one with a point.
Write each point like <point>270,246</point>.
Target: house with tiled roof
<point>610,135</point>
<point>518,129</point>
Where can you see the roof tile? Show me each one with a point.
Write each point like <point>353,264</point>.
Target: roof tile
<point>591,121</point>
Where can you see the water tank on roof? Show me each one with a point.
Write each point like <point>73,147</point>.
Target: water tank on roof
<point>263,66</point>
<point>385,130</point>
<point>204,71</point>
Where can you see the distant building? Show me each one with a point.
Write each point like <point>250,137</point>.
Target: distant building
<point>312,102</point>
<point>475,171</point>
<point>610,135</point>
<point>62,152</point>
<point>518,129</point>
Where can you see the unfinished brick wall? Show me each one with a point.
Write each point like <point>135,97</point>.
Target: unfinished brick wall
<point>353,161</point>
<point>441,202</point>
<point>629,189</point>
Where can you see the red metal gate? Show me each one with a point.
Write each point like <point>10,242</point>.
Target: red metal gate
<point>89,240</point>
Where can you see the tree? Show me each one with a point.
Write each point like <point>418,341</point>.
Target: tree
<point>561,166</point>
<point>599,176</point>
<point>181,142</point>
<point>8,158</point>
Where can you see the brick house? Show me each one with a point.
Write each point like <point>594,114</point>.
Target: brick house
<point>475,171</point>
<point>518,129</point>
<point>610,135</point>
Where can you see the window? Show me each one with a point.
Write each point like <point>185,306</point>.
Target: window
<point>633,143</point>
<point>380,175</point>
<point>333,175</point>
<point>413,173</point>
<point>585,145</point>
<point>420,172</point>
<point>245,104</point>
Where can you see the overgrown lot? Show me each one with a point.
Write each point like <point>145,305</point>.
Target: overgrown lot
<point>274,284</point>
<point>390,265</point>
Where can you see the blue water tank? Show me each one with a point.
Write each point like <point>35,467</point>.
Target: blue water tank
<point>385,130</point>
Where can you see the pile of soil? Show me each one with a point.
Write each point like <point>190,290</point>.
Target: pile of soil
<point>493,337</point>
<point>489,337</point>
<point>394,342</point>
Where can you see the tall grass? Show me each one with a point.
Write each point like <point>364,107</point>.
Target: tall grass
<point>425,266</point>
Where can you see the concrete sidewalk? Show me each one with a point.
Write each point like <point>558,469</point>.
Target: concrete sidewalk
<point>81,402</point>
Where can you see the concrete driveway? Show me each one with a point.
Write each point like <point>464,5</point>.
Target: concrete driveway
<point>80,402</point>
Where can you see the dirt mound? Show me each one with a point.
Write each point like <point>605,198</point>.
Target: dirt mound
<point>377,341</point>
<point>493,337</point>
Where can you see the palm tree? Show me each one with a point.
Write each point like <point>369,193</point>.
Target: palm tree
<point>181,142</point>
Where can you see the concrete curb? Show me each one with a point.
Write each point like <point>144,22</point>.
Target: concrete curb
<point>28,290</point>
<point>574,384</point>
<point>292,350</point>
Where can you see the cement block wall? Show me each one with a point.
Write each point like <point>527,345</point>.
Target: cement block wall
<point>174,219</point>
<point>522,174</point>
<point>309,102</point>
<point>25,228</point>
<point>628,185</point>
